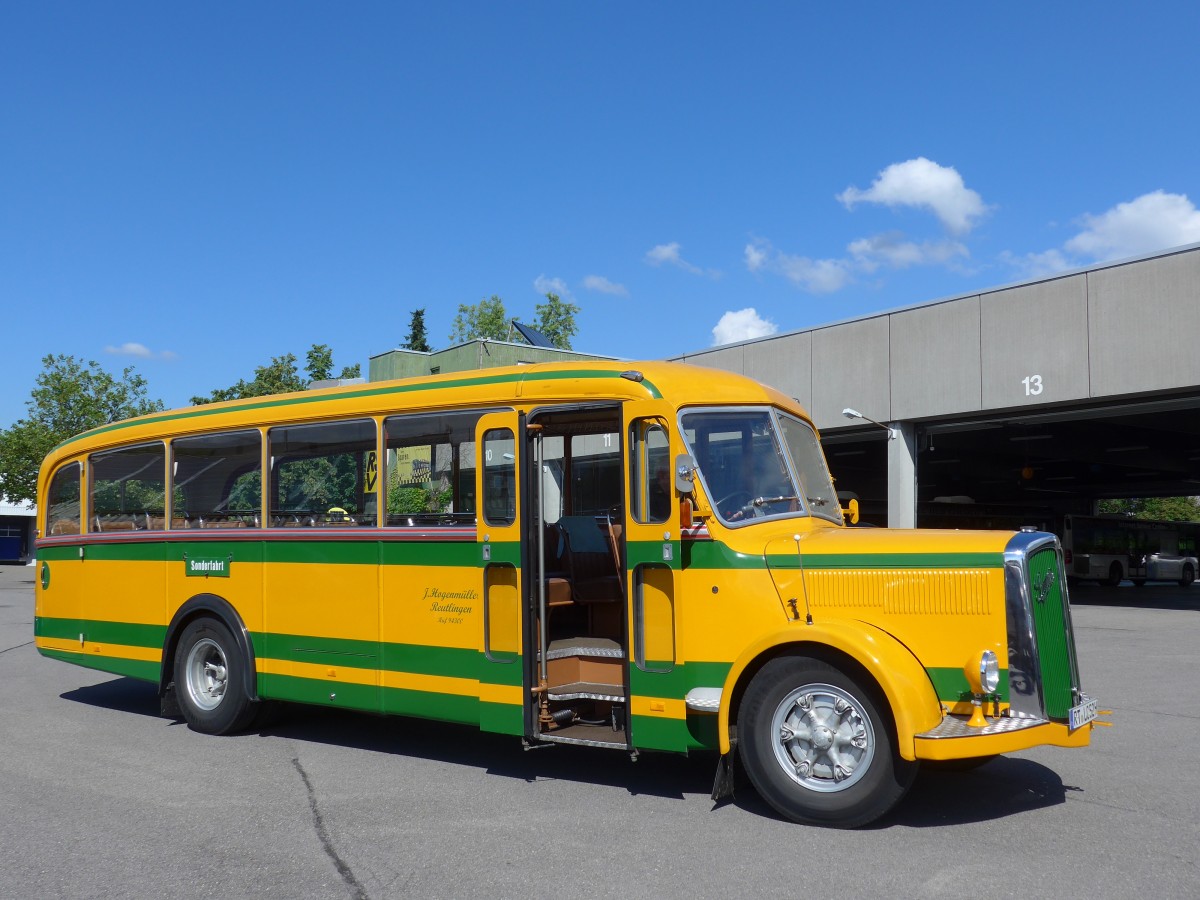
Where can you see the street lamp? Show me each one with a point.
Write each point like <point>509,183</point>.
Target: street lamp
<point>855,414</point>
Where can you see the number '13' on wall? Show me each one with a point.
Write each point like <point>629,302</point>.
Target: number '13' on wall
<point>1033,385</point>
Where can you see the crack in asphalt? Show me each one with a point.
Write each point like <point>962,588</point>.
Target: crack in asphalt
<point>17,647</point>
<point>356,889</point>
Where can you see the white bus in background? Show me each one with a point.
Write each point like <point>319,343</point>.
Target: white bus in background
<point>1111,549</point>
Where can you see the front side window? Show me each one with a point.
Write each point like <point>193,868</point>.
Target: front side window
<point>217,481</point>
<point>128,489</point>
<point>323,474</point>
<point>758,463</point>
<point>62,502</point>
<point>650,472</point>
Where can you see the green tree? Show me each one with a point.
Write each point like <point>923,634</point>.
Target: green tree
<point>418,338</point>
<point>320,362</point>
<point>281,376</point>
<point>486,319</point>
<point>70,397</point>
<point>556,320</point>
<point>1166,509</point>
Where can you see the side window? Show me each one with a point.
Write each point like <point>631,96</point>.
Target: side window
<point>430,469</point>
<point>650,472</point>
<point>217,481</point>
<point>128,491</point>
<point>499,477</point>
<point>63,513</point>
<point>323,474</point>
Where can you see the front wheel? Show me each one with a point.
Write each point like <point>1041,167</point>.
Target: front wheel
<point>816,747</point>
<point>209,674</point>
<point>1188,576</point>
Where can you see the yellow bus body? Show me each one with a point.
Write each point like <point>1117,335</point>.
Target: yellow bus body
<point>439,624</point>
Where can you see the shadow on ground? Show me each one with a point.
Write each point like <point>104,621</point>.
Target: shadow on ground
<point>1005,786</point>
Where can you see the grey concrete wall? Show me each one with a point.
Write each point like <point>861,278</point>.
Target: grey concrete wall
<point>1035,343</point>
<point>851,367</point>
<point>936,367</point>
<point>1111,331</point>
<point>1144,323</point>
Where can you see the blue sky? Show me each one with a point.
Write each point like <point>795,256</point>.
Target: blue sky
<point>193,189</point>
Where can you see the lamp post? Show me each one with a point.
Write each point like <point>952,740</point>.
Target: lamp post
<point>855,414</point>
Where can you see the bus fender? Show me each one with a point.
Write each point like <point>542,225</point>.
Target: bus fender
<point>218,608</point>
<point>906,686</point>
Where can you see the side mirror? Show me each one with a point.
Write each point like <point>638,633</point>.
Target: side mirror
<point>850,512</point>
<point>685,473</point>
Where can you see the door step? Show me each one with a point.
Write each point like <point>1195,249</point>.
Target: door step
<point>587,690</point>
<point>587,736</point>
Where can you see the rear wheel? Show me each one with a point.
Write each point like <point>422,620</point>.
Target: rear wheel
<point>816,746</point>
<point>1188,576</point>
<point>1115,575</point>
<point>209,674</point>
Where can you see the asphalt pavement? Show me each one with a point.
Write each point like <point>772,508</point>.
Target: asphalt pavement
<point>99,797</point>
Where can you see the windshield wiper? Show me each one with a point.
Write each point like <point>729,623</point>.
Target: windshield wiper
<point>763,501</point>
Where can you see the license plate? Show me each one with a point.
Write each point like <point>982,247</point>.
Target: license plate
<point>1083,713</point>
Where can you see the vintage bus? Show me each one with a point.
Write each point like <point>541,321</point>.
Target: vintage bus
<point>647,558</point>
<point>1113,548</point>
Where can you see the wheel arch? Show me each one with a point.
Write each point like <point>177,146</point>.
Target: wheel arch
<point>862,651</point>
<point>215,607</point>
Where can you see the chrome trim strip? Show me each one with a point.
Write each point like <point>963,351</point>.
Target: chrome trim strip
<point>703,699</point>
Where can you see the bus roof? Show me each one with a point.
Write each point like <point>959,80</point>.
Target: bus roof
<point>678,384</point>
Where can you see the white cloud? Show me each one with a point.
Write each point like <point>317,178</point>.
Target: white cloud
<point>756,257</point>
<point>602,285</point>
<point>132,348</point>
<point>924,184</point>
<point>1153,221</point>
<point>892,250</point>
<point>669,253</point>
<point>742,325</point>
<point>1037,265</point>
<point>544,285</point>
<point>817,276</point>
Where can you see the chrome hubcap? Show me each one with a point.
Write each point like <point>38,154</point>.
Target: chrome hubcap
<point>207,674</point>
<point>823,738</point>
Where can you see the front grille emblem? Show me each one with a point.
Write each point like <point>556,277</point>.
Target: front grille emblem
<point>1044,588</point>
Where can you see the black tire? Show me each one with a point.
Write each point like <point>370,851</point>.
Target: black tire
<point>1188,576</point>
<point>1115,575</point>
<point>803,697</point>
<point>209,678</point>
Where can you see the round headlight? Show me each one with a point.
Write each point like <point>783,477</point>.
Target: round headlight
<point>989,671</point>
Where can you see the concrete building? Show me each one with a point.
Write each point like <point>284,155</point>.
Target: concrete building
<point>17,524</point>
<point>1040,396</point>
<point>478,354</point>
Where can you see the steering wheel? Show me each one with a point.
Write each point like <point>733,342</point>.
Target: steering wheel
<point>736,504</point>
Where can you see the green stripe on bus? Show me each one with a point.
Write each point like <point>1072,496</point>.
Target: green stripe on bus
<point>680,679</point>
<point>366,552</point>
<point>131,668</point>
<point>129,634</point>
<point>951,685</point>
<point>660,733</point>
<point>282,400</point>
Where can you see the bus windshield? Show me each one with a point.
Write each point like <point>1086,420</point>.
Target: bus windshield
<point>758,463</point>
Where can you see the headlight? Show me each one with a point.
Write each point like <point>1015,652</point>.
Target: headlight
<point>983,673</point>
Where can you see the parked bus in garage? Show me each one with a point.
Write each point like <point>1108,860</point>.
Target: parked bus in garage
<point>638,559</point>
<point>1112,548</point>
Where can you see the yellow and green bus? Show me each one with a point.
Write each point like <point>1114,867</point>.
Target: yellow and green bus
<point>646,558</point>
